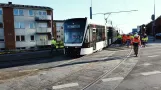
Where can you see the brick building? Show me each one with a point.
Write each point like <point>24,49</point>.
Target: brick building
<point>157,27</point>
<point>25,26</point>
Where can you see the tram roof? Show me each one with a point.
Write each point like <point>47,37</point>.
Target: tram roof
<point>94,22</point>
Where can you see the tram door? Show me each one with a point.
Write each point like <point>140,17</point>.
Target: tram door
<point>94,38</point>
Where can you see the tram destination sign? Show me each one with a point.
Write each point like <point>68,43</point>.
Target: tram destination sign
<point>73,26</point>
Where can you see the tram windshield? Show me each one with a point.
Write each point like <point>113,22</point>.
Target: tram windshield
<point>74,30</point>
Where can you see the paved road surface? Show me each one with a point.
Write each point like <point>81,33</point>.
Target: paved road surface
<point>112,69</point>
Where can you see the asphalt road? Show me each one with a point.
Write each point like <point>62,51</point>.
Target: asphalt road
<point>81,70</point>
<point>110,69</point>
<point>146,75</point>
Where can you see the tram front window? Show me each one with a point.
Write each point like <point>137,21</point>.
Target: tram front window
<point>74,36</point>
<point>74,30</point>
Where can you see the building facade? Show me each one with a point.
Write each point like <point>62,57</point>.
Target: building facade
<point>25,26</point>
<point>59,28</point>
<point>157,27</point>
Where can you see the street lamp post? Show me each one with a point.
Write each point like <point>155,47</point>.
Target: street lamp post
<point>91,10</point>
<point>153,25</point>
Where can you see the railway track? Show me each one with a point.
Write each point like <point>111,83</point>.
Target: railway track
<point>106,73</point>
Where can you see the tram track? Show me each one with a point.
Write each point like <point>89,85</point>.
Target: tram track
<point>107,73</point>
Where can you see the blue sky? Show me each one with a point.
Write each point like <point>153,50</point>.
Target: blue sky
<point>64,9</point>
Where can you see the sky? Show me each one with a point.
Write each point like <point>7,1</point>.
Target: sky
<point>65,9</point>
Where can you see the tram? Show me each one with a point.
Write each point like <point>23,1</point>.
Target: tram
<point>82,36</point>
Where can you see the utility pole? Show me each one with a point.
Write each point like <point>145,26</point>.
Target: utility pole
<point>91,10</point>
<point>153,27</point>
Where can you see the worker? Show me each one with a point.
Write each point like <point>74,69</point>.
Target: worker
<point>61,44</point>
<point>53,45</point>
<point>119,39</point>
<point>132,37</point>
<point>123,39</point>
<point>136,43</point>
<point>128,40</point>
<point>144,40</point>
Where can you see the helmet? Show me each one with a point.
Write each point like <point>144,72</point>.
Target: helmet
<point>136,36</point>
<point>53,38</point>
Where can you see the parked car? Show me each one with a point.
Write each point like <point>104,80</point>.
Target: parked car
<point>158,36</point>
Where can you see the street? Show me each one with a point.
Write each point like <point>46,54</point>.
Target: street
<point>114,68</point>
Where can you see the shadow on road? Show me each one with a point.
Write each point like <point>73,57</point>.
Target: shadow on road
<point>31,61</point>
<point>91,61</point>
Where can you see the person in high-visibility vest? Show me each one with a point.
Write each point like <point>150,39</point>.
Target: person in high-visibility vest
<point>131,37</point>
<point>128,40</point>
<point>136,43</point>
<point>144,40</point>
<point>123,38</point>
<point>119,39</point>
<point>53,45</point>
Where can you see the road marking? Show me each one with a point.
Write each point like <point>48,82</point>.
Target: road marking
<point>65,85</point>
<point>153,56</point>
<point>28,70</point>
<point>146,64</point>
<point>112,79</point>
<point>150,73</point>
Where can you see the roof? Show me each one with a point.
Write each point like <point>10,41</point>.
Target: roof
<point>58,20</point>
<point>23,6</point>
<point>90,21</point>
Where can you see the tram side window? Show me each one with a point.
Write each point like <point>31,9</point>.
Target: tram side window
<point>103,33</point>
<point>90,34</point>
<point>87,36</point>
<point>99,34</point>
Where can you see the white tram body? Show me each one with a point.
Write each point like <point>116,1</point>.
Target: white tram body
<point>83,36</point>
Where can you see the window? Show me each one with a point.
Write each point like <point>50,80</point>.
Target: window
<point>15,11</point>
<point>22,25</point>
<point>1,25</point>
<point>31,13</point>
<point>19,25</point>
<point>20,38</point>
<point>18,12</point>
<point>44,13</point>
<point>32,25</point>
<point>40,13</point>
<point>1,11</point>
<point>32,38</point>
<point>17,38</point>
<point>16,24</point>
<point>1,38</point>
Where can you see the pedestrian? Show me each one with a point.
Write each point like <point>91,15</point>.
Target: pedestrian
<point>53,45</point>
<point>119,40</point>
<point>128,40</point>
<point>136,43</point>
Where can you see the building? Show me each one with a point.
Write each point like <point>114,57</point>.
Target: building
<point>25,26</point>
<point>157,27</point>
<point>134,30</point>
<point>59,28</point>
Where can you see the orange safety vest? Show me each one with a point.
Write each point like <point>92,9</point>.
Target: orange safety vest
<point>124,38</point>
<point>136,40</point>
<point>128,38</point>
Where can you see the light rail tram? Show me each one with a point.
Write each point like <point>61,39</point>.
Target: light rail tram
<point>82,36</point>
